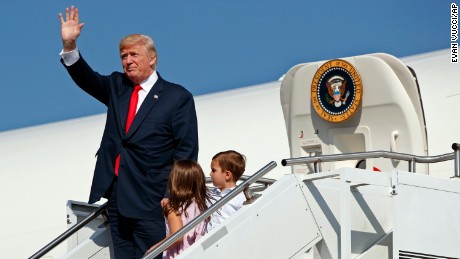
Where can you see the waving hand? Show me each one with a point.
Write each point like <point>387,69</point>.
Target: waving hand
<point>70,28</point>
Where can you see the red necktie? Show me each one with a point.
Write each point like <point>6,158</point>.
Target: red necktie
<point>129,119</point>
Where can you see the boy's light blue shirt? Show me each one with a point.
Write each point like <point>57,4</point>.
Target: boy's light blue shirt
<point>227,210</point>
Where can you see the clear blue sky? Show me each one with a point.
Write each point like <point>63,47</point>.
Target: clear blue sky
<point>207,45</point>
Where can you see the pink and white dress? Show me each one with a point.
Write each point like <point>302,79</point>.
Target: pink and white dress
<point>190,237</point>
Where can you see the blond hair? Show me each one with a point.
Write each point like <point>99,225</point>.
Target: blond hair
<point>143,39</point>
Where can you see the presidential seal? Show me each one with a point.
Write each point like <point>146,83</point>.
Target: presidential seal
<point>336,91</point>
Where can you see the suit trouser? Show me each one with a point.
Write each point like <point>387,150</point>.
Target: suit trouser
<point>132,237</point>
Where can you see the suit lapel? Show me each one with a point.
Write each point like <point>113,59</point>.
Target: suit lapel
<point>150,100</point>
<point>123,105</point>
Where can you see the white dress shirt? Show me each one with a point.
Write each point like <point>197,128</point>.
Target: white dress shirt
<point>227,210</point>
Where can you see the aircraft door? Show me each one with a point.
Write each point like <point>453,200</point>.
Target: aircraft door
<point>356,104</point>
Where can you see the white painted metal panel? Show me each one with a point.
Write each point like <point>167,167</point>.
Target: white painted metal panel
<point>369,207</point>
<point>428,212</point>
<point>278,225</point>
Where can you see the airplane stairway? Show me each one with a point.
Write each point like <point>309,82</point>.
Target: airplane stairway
<point>344,213</point>
<point>88,234</point>
<point>91,241</point>
<point>302,212</point>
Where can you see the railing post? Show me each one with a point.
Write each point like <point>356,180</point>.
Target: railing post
<point>412,165</point>
<point>456,148</point>
<point>250,197</point>
<point>317,166</point>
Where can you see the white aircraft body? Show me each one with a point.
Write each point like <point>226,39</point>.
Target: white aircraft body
<point>44,166</point>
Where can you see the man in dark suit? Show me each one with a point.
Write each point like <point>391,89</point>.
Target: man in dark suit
<point>135,155</point>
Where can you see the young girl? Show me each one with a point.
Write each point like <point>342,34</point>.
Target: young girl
<point>188,195</point>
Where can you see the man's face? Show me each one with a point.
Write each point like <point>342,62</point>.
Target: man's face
<point>217,175</point>
<point>137,63</point>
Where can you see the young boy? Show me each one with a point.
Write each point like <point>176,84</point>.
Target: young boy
<point>226,168</point>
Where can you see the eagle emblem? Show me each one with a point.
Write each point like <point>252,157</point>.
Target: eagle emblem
<point>336,89</point>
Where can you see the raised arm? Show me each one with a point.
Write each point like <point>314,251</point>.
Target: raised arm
<point>70,28</point>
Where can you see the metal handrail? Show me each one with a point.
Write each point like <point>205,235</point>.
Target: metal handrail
<point>101,209</point>
<point>69,232</point>
<point>244,185</point>
<point>265,181</point>
<point>372,154</point>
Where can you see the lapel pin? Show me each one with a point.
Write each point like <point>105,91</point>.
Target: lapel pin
<point>155,96</point>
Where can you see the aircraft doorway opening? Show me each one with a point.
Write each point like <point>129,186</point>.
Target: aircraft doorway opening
<point>349,143</point>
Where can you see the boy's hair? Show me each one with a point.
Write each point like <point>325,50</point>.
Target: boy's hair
<point>186,184</point>
<point>232,161</point>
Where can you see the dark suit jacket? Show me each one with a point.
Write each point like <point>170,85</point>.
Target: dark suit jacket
<point>163,130</point>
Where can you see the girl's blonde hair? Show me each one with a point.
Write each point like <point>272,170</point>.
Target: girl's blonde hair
<point>186,184</point>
